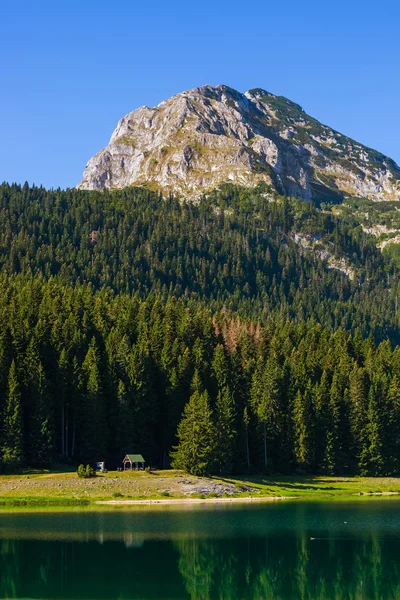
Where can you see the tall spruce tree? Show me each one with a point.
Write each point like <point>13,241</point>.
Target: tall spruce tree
<point>372,459</point>
<point>43,427</point>
<point>93,420</point>
<point>12,450</point>
<point>392,427</point>
<point>225,413</point>
<point>265,394</point>
<point>332,440</point>
<point>359,385</point>
<point>226,432</point>
<point>321,398</point>
<point>196,449</point>
<point>62,385</point>
<point>302,427</point>
<point>246,423</point>
<point>125,421</point>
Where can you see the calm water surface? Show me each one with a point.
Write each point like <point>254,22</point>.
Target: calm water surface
<point>205,553</point>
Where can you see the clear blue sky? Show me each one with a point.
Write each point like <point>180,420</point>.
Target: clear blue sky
<point>70,69</point>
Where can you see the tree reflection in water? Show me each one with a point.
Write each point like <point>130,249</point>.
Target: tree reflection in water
<point>226,555</point>
<point>288,568</point>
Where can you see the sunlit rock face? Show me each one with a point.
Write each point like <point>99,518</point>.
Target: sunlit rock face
<point>199,139</point>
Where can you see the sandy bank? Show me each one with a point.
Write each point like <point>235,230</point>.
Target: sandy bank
<point>236,500</point>
<point>193,500</point>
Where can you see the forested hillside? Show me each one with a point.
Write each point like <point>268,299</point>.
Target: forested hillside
<point>88,375</point>
<point>124,315</point>
<point>236,248</point>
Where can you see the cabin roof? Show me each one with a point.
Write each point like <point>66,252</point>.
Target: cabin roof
<point>135,458</point>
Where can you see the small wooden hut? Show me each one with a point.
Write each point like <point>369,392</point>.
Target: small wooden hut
<point>133,462</point>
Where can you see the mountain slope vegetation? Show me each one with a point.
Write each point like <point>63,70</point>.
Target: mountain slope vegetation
<point>234,248</point>
<point>88,376</point>
<point>274,319</point>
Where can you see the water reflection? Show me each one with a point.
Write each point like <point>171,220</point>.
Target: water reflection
<point>246,553</point>
<point>286,569</point>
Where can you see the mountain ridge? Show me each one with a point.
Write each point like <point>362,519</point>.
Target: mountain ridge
<point>204,137</point>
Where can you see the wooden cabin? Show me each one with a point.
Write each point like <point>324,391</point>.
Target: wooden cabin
<point>133,462</point>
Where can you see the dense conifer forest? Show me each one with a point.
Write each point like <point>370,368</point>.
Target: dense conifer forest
<point>234,248</point>
<point>130,322</point>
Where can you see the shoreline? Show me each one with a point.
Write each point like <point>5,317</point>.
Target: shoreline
<point>193,500</point>
<point>64,489</point>
<point>246,499</point>
<point>21,504</point>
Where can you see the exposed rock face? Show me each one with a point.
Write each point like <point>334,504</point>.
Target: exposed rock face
<point>207,136</point>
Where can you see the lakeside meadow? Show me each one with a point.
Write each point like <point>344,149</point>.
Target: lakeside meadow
<point>46,488</point>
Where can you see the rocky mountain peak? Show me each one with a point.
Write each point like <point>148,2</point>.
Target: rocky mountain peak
<point>210,135</point>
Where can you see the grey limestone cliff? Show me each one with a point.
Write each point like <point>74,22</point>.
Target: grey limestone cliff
<point>207,136</point>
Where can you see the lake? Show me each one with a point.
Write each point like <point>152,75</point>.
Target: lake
<point>281,550</point>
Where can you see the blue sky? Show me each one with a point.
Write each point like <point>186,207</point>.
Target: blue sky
<point>71,69</point>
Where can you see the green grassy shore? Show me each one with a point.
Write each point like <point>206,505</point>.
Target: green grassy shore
<point>65,488</point>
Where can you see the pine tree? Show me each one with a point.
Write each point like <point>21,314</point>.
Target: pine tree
<point>177,392</point>
<point>372,459</point>
<point>220,367</point>
<point>225,413</point>
<point>12,422</point>
<point>42,432</point>
<point>265,396</point>
<point>321,397</point>
<point>195,452</point>
<point>125,421</point>
<point>332,440</point>
<point>358,411</point>
<point>62,386</point>
<point>392,427</point>
<point>196,385</point>
<point>143,376</point>
<point>302,427</point>
<point>92,426</point>
<point>246,422</point>
<point>225,430</point>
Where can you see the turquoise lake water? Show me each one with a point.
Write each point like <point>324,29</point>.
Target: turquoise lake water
<point>284,550</point>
